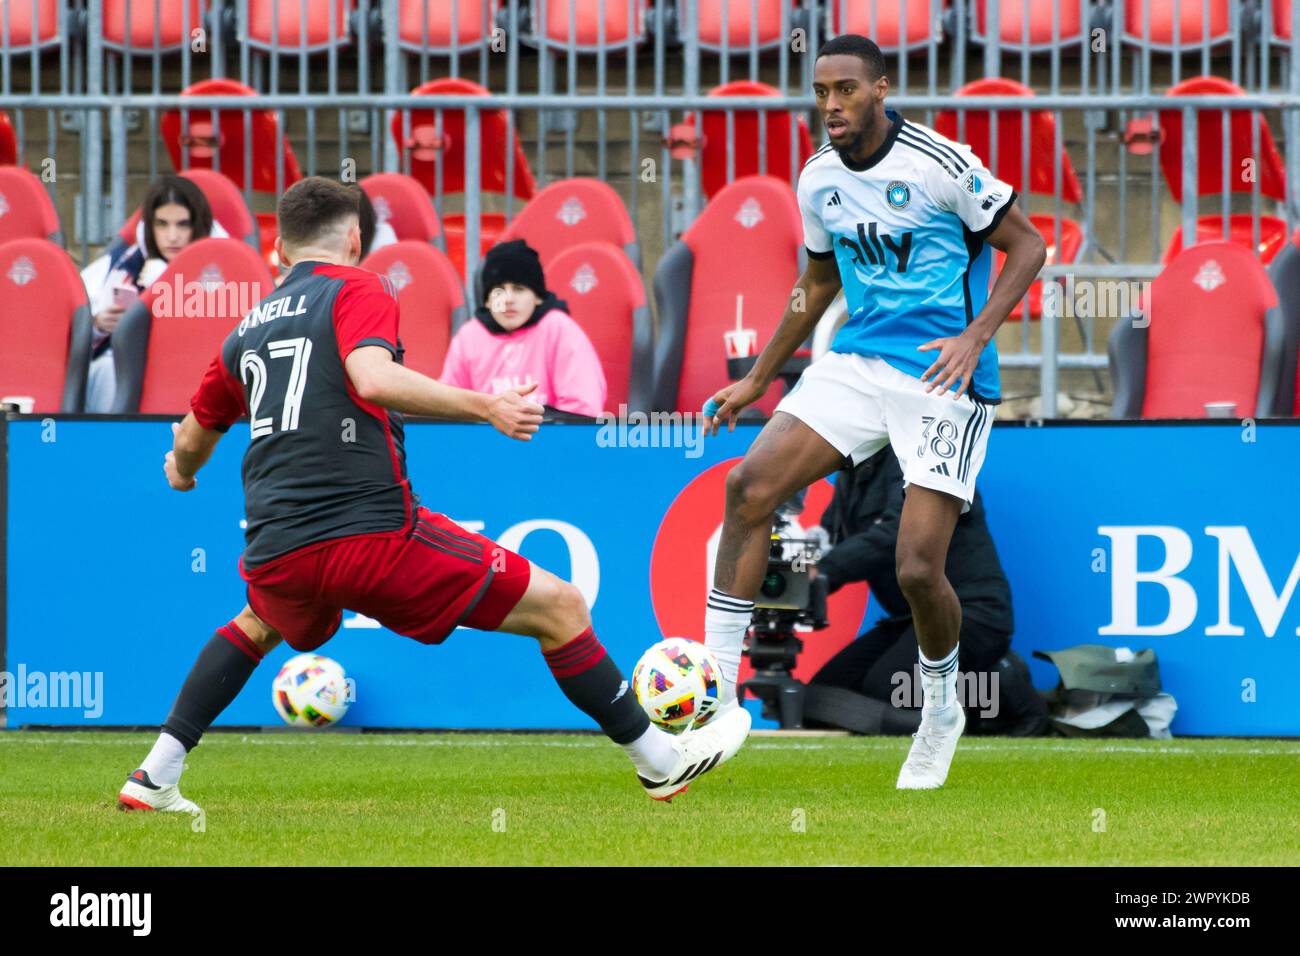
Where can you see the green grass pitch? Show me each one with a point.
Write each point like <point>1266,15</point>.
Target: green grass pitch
<point>440,799</point>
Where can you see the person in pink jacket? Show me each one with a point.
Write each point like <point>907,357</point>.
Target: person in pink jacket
<point>523,335</point>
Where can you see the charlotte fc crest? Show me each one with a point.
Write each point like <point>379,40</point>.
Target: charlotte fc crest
<point>897,194</point>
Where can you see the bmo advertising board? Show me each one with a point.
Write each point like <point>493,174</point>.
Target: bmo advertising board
<point>1181,537</point>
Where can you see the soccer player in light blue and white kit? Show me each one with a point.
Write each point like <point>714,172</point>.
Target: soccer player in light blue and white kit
<point>903,219</point>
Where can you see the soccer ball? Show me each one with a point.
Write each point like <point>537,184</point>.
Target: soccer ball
<point>311,690</point>
<point>676,681</point>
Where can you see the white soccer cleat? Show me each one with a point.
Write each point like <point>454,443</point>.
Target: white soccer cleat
<point>141,793</point>
<point>701,750</point>
<point>933,745</point>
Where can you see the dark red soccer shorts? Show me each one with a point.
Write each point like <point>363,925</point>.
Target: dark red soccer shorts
<point>422,583</point>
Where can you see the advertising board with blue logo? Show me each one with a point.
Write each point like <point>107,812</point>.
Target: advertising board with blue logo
<point>1181,537</point>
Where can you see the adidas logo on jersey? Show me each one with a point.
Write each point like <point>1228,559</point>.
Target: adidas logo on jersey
<point>834,200</point>
<point>942,469</point>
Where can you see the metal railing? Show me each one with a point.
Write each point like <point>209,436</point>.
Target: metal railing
<point>609,111</point>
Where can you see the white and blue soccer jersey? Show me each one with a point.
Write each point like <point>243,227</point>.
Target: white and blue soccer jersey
<point>907,229</point>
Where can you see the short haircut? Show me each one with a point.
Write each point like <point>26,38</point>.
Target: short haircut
<point>853,44</point>
<point>314,207</point>
<point>366,219</point>
<point>179,190</point>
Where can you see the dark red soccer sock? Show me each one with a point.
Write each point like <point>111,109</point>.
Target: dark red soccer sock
<point>223,668</point>
<point>592,681</point>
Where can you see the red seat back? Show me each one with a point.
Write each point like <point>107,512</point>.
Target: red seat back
<point>8,142</point>
<point>42,295</point>
<point>1193,28</point>
<point>428,24</point>
<point>26,31</point>
<point>1209,145</point>
<point>1206,336</point>
<point>26,210</point>
<point>193,305</point>
<point>747,23</point>
<point>227,202</point>
<point>1281,18</point>
<point>290,31</point>
<point>430,298</point>
<point>586,23</point>
<point>570,212</point>
<point>1241,230</point>
<point>226,144</point>
<point>884,21</point>
<point>745,243</point>
<point>427,149</point>
<point>172,27</point>
<point>1012,23</point>
<point>745,139</point>
<point>1008,165</point>
<point>402,202</point>
<point>607,298</point>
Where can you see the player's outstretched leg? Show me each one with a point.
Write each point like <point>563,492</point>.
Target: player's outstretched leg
<point>220,673</point>
<point>554,612</point>
<point>924,531</point>
<point>786,456</point>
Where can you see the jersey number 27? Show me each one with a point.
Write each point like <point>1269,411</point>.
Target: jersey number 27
<point>253,371</point>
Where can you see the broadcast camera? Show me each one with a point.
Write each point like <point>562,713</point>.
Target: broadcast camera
<point>790,600</point>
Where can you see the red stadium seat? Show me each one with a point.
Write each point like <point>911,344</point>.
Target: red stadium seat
<point>402,202</point>
<point>1070,27</point>
<point>26,31</point>
<point>427,150</point>
<point>430,297</point>
<point>883,21</point>
<point>586,24</point>
<point>228,208</point>
<point>1209,144</point>
<point>745,139</point>
<point>1009,167</point>
<point>8,142</point>
<point>172,25</point>
<point>1213,335</point>
<point>607,298</point>
<point>574,211</point>
<point>45,326</point>
<point>1010,141</point>
<point>1194,29</point>
<point>26,210</point>
<point>429,24</point>
<point>1281,15</point>
<point>290,32</point>
<point>1272,235</point>
<point>165,342</point>
<point>210,147</point>
<point>748,23</point>
<point>746,243</point>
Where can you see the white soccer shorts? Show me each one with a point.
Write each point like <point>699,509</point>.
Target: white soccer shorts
<point>858,403</point>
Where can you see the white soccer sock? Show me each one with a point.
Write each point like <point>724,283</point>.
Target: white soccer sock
<point>726,619</point>
<point>653,753</point>
<point>939,680</point>
<point>165,761</point>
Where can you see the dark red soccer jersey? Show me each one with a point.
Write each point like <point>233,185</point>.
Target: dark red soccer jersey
<point>322,462</point>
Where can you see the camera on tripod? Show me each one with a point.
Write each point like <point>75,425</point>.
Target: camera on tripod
<point>791,599</point>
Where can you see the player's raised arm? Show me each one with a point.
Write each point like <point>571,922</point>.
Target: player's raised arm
<point>811,296</point>
<point>377,378</point>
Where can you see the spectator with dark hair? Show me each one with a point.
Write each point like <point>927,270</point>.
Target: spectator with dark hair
<point>523,335</point>
<point>174,213</point>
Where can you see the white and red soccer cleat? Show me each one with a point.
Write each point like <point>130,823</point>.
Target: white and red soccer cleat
<point>141,793</point>
<point>700,750</point>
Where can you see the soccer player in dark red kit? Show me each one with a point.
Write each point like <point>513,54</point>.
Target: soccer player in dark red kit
<point>332,521</point>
